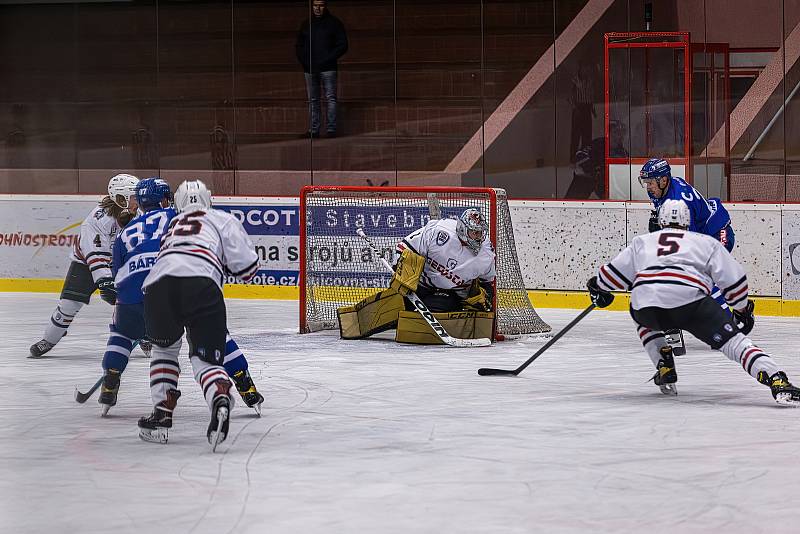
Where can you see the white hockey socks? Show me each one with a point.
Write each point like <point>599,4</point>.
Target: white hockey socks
<point>741,350</point>
<point>60,320</point>
<point>206,375</point>
<point>652,340</point>
<point>164,371</point>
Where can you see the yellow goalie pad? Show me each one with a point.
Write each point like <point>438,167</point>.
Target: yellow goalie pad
<point>412,328</point>
<point>407,273</point>
<point>376,313</point>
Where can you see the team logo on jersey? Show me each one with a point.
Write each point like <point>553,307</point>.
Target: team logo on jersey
<point>442,238</point>
<point>452,264</point>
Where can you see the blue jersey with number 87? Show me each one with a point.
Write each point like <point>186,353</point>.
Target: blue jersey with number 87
<point>135,251</point>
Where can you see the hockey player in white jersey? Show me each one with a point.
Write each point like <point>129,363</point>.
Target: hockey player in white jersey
<point>670,274</point>
<point>90,265</point>
<point>450,265</point>
<point>183,292</point>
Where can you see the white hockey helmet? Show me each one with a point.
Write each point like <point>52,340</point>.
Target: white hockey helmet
<point>471,229</point>
<point>674,213</point>
<point>192,195</point>
<point>121,188</point>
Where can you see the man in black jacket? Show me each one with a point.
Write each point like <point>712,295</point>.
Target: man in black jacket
<point>321,41</point>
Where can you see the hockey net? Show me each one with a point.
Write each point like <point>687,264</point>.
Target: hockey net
<point>337,268</point>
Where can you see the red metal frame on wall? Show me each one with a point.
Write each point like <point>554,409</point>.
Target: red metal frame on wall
<point>678,40</point>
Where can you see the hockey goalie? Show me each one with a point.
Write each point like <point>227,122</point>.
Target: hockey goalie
<point>450,265</point>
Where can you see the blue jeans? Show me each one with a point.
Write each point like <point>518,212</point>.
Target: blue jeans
<point>328,81</point>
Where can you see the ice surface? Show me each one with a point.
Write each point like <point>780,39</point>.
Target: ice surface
<point>372,436</point>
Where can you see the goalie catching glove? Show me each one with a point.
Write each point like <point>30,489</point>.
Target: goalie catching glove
<point>479,297</point>
<point>745,319</point>
<point>407,272</point>
<point>600,297</point>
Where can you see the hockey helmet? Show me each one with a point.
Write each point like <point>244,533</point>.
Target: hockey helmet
<point>471,228</point>
<point>192,195</point>
<point>674,213</point>
<point>121,188</point>
<point>150,192</point>
<point>654,168</point>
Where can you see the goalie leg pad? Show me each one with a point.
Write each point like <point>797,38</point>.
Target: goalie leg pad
<point>372,315</point>
<point>412,328</point>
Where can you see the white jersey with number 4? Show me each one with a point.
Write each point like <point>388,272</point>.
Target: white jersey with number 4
<point>210,244</point>
<point>673,267</point>
<point>449,264</point>
<point>94,244</point>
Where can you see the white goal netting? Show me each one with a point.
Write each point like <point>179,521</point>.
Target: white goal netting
<point>337,268</point>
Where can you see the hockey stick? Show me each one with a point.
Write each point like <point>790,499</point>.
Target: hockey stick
<point>83,397</point>
<point>487,371</point>
<point>423,310</point>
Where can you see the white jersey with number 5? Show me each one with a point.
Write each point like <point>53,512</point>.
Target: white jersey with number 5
<point>449,264</point>
<point>205,243</point>
<point>673,267</point>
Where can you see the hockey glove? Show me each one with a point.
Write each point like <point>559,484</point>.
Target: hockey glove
<point>653,225</point>
<point>107,290</point>
<point>600,297</point>
<point>745,319</point>
<point>407,272</point>
<point>478,298</point>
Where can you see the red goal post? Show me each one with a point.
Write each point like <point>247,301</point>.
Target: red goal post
<point>337,268</point>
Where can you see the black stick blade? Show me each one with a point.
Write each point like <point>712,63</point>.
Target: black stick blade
<point>487,371</point>
<point>83,397</point>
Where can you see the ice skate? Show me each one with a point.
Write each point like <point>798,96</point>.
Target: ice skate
<point>220,414</point>
<point>155,427</point>
<point>666,376</point>
<point>247,389</point>
<point>40,348</point>
<point>109,391</point>
<point>783,391</point>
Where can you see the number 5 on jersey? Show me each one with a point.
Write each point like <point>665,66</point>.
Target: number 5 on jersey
<point>668,243</point>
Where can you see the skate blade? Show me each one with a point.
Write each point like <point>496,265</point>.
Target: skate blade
<point>157,435</point>
<point>786,399</point>
<point>257,408</point>
<point>218,436</point>
<point>104,408</point>
<point>668,389</point>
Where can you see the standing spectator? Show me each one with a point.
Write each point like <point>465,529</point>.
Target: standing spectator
<point>581,98</point>
<point>321,41</point>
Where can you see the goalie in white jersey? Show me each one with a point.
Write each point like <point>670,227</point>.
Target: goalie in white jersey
<point>183,292</point>
<point>450,265</point>
<point>90,260</point>
<point>670,274</point>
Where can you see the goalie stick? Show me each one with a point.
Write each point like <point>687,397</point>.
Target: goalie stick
<point>424,311</point>
<point>83,397</point>
<point>488,371</point>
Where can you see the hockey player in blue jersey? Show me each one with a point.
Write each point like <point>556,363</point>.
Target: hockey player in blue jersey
<point>707,217</point>
<point>134,253</point>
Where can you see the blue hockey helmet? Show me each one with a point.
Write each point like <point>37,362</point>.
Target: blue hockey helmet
<point>654,168</point>
<point>150,192</point>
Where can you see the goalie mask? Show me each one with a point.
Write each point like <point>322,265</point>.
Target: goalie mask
<point>121,188</point>
<point>471,229</point>
<point>192,195</point>
<point>674,214</point>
